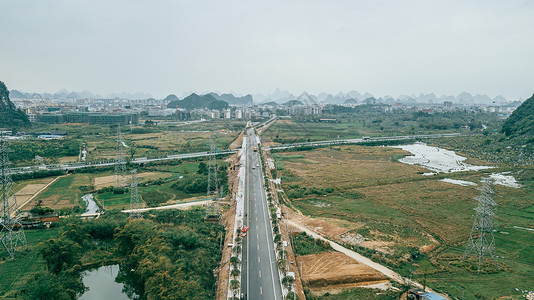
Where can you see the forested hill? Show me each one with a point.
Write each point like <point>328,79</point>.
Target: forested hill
<point>521,122</point>
<point>195,101</point>
<point>10,116</point>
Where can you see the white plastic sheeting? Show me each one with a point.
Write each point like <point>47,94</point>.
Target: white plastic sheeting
<point>437,159</point>
<point>506,180</point>
<point>459,182</point>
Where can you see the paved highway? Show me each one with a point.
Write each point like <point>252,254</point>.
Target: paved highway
<point>260,277</point>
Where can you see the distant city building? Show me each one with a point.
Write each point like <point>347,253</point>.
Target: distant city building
<point>32,117</point>
<point>239,114</point>
<point>227,114</point>
<point>215,114</point>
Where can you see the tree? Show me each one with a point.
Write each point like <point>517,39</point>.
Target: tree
<point>234,284</point>
<point>234,261</point>
<point>41,210</point>
<point>288,281</point>
<point>202,168</point>
<point>60,254</point>
<point>235,272</point>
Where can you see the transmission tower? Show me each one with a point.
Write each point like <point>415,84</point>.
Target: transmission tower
<point>135,202</point>
<point>120,163</point>
<point>212,209</point>
<point>481,241</point>
<point>11,233</point>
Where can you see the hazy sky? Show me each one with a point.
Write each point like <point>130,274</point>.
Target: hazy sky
<point>163,47</point>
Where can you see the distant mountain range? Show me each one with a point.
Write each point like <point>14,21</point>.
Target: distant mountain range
<point>354,97</point>
<point>193,101</point>
<point>282,96</point>
<point>233,100</point>
<point>64,94</point>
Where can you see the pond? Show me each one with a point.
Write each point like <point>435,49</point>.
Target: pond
<point>102,284</point>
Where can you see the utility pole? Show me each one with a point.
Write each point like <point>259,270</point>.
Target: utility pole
<point>11,233</point>
<point>481,240</point>
<point>120,163</point>
<point>135,202</point>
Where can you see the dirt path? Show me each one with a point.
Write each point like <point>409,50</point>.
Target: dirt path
<point>184,206</point>
<point>361,259</point>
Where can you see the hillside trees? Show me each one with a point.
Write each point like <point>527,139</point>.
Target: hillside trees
<point>521,122</point>
<point>10,116</point>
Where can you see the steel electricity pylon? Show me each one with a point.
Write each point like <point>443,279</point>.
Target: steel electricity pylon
<point>212,209</point>
<point>135,202</point>
<point>481,240</point>
<point>11,233</point>
<point>120,163</point>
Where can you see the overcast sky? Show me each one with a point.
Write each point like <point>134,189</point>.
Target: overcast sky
<point>163,47</point>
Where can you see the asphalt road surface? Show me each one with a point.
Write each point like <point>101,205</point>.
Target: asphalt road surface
<point>260,278</point>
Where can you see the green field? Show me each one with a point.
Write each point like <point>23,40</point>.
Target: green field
<point>65,193</point>
<point>411,222</point>
<point>14,273</point>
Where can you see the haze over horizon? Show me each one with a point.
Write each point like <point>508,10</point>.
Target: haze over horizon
<point>384,48</point>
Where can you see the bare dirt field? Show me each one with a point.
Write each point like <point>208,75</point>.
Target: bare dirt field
<point>29,190</point>
<point>334,270</point>
<point>330,228</point>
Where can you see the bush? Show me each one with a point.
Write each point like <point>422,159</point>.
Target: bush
<point>155,197</point>
<point>304,244</point>
<point>41,210</point>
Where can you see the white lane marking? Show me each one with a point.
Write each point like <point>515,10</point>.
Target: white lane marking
<point>258,246</point>
<point>259,261</point>
<point>261,290</point>
<point>260,273</point>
